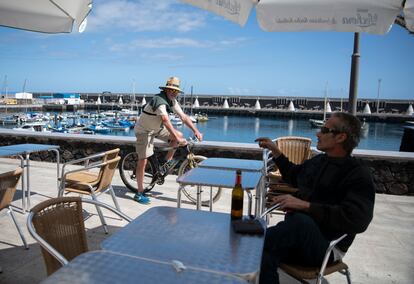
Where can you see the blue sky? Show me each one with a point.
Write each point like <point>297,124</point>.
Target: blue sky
<point>141,43</point>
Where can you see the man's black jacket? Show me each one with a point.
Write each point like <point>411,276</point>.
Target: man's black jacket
<point>340,191</point>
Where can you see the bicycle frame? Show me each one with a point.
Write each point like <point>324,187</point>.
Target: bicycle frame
<point>164,169</point>
<point>156,170</point>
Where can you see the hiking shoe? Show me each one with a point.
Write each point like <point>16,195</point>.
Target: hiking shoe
<point>141,198</point>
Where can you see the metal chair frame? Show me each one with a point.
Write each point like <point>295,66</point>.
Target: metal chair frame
<point>8,183</point>
<point>60,201</point>
<point>101,185</point>
<point>321,271</point>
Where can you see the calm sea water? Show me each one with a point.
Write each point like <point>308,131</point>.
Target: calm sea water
<point>377,136</point>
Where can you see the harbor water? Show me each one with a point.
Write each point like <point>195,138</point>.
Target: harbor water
<point>375,136</point>
<point>245,129</point>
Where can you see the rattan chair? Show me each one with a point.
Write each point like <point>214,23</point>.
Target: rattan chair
<point>92,187</point>
<point>297,150</point>
<point>86,174</point>
<point>8,183</point>
<point>302,273</point>
<point>57,225</point>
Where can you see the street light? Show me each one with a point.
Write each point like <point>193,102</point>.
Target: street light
<point>379,85</point>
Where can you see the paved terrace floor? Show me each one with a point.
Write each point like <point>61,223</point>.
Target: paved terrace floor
<point>383,254</point>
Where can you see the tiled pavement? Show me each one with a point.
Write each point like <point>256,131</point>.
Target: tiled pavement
<point>383,254</point>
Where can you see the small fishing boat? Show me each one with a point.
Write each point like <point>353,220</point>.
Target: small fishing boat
<point>126,123</point>
<point>35,127</point>
<point>97,128</point>
<point>113,125</point>
<point>202,117</point>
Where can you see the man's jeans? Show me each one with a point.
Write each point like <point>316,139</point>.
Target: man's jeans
<point>296,240</point>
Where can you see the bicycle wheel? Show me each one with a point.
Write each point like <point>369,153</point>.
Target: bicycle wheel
<point>127,172</point>
<point>191,191</point>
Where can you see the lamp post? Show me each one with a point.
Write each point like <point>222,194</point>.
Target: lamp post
<point>379,85</point>
<point>353,84</point>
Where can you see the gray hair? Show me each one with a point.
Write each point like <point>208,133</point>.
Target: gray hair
<point>350,125</point>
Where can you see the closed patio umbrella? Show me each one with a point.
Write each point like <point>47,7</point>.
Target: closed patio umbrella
<point>48,16</point>
<point>409,14</point>
<point>371,16</point>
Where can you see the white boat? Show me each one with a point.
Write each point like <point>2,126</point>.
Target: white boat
<point>109,113</point>
<point>202,117</point>
<point>317,123</point>
<point>193,118</point>
<point>128,112</point>
<point>36,127</point>
<point>175,120</point>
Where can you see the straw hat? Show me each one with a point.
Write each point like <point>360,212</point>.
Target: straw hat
<point>172,83</point>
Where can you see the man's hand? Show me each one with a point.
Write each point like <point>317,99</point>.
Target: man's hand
<point>199,135</point>
<point>267,143</point>
<point>288,202</point>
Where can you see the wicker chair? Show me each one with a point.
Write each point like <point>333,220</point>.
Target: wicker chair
<point>90,186</point>
<point>86,174</point>
<point>8,183</point>
<point>57,225</point>
<point>301,273</point>
<point>297,150</point>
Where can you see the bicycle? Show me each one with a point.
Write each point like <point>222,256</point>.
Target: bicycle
<point>156,171</point>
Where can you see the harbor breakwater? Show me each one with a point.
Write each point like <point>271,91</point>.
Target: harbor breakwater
<point>393,172</point>
<point>385,110</point>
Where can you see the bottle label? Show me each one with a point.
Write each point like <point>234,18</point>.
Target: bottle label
<point>236,208</point>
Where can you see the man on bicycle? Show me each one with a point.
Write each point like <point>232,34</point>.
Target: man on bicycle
<point>154,122</point>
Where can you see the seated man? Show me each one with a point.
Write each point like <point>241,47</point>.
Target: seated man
<point>336,196</point>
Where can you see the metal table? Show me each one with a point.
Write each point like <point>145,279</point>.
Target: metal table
<point>245,166</point>
<point>23,151</point>
<point>233,164</point>
<point>103,267</point>
<point>198,239</point>
<point>216,177</point>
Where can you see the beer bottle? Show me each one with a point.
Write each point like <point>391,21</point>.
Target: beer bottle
<point>237,198</point>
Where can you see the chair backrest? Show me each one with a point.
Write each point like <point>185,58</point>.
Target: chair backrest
<point>108,155</point>
<point>8,183</point>
<point>296,149</point>
<point>59,221</point>
<point>108,170</point>
<point>111,154</point>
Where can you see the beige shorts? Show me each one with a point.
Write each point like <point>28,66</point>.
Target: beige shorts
<point>145,142</point>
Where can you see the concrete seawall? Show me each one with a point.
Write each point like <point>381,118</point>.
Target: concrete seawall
<point>393,172</point>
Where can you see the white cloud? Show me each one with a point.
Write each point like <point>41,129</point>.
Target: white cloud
<point>169,43</point>
<point>232,41</point>
<point>162,56</point>
<point>143,15</point>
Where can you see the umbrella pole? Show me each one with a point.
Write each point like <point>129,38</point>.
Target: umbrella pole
<point>353,84</point>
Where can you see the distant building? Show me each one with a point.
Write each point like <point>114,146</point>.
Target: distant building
<point>68,98</point>
<point>17,98</point>
<point>61,99</point>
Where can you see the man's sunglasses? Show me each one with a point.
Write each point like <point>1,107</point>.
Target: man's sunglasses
<point>326,130</point>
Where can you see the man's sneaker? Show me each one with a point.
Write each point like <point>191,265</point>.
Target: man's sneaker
<point>141,198</point>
